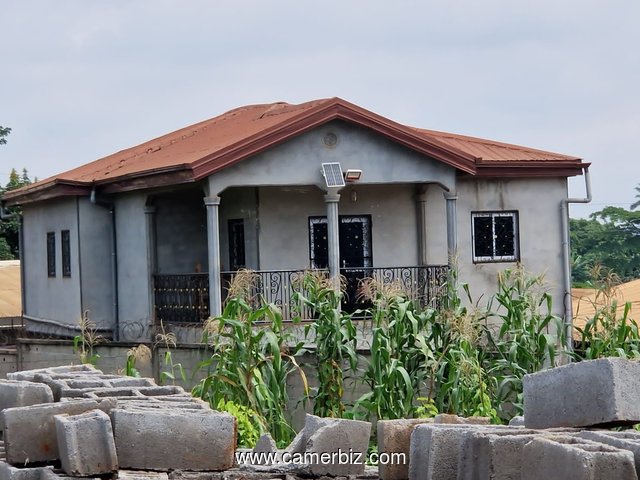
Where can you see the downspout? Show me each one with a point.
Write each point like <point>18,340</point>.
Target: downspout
<point>5,215</point>
<point>566,259</point>
<point>114,260</point>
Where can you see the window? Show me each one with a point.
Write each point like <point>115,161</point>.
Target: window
<point>236,244</point>
<point>354,233</point>
<point>51,254</point>
<point>66,253</point>
<point>495,236</point>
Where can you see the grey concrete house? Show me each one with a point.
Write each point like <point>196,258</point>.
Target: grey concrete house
<point>154,232</point>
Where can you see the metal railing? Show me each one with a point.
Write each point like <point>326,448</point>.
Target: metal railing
<point>184,298</point>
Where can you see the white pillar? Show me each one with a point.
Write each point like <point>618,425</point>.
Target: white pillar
<point>213,244</point>
<point>452,228</point>
<point>149,213</point>
<point>333,239</point>
<point>421,208</point>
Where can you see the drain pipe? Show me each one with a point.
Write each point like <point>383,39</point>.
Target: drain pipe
<point>114,260</point>
<point>566,259</point>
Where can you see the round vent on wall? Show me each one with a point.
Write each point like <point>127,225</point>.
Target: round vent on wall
<point>330,140</point>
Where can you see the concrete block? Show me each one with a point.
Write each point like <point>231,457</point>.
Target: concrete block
<point>495,455</point>
<point>133,382</point>
<point>517,421</point>
<point>265,446</point>
<point>140,475</point>
<point>600,392</point>
<point>16,393</point>
<point>86,443</point>
<point>394,438</point>
<point>339,448</point>
<point>30,432</point>
<point>8,472</point>
<point>573,458</point>
<point>164,439</point>
<point>625,440</point>
<point>455,419</point>
<point>435,449</point>
<point>28,375</point>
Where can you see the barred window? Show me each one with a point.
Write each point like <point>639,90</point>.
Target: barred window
<point>495,236</point>
<point>51,254</point>
<point>66,253</point>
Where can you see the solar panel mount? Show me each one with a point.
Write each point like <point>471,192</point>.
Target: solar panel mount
<point>333,174</point>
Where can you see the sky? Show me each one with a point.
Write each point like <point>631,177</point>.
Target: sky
<point>80,79</point>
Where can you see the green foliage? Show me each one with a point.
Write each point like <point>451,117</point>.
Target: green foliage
<point>250,427</point>
<point>395,371</point>
<point>135,354</point>
<point>334,336</point>
<point>607,333</point>
<point>525,341</point>
<point>84,344</point>
<point>636,204</point>
<point>251,359</point>
<point>426,408</point>
<point>10,229</point>
<point>611,238</point>
<point>167,340</point>
<point>4,132</point>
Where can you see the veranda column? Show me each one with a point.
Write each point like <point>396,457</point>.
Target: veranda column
<point>452,229</point>
<point>333,240</point>
<point>149,214</point>
<point>421,207</point>
<point>213,244</point>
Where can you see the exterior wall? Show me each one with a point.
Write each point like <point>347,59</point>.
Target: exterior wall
<point>240,203</point>
<point>538,204</point>
<point>181,232</point>
<point>94,223</point>
<point>134,271</point>
<point>284,224</point>
<point>57,299</point>
<point>298,161</point>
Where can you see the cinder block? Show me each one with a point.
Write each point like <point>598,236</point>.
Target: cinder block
<point>164,439</point>
<point>265,446</point>
<point>495,455</point>
<point>394,438</point>
<point>573,458</point>
<point>339,448</point>
<point>625,440</point>
<point>8,472</point>
<point>28,375</point>
<point>435,449</point>
<point>140,475</point>
<point>456,420</point>
<point>15,393</point>
<point>600,392</point>
<point>133,382</point>
<point>30,432</point>
<point>86,443</point>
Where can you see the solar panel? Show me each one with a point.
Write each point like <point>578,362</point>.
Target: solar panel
<point>333,174</point>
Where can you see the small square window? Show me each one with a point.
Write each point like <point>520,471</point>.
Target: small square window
<point>51,254</point>
<point>66,253</point>
<point>495,236</point>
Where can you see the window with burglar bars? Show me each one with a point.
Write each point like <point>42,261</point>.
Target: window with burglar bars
<point>65,239</point>
<point>495,236</point>
<point>51,254</point>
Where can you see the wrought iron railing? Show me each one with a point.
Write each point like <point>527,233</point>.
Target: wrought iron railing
<point>185,297</point>
<point>181,298</point>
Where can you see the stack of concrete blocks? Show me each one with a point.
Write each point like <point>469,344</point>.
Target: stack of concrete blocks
<point>567,413</point>
<point>95,424</point>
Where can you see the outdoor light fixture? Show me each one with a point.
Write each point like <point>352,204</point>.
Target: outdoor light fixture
<point>352,175</point>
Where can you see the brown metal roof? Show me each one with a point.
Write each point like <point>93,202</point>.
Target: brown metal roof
<point>206,147</point>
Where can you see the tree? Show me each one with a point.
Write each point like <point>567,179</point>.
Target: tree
<point>10,229</point>
<point>636,204</point>
<point>4,131</point>
<point>610,238</point>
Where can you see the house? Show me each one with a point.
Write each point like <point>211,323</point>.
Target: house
<point>153,232</point>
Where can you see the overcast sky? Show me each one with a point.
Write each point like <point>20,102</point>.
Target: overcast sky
<point>81,79</point>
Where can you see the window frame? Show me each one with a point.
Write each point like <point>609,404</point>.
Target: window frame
<point>493,214</point>
<point>51,254</point>
<point>65,247</point>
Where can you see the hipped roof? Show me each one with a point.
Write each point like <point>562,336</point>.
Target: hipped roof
<point>199,150</point>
